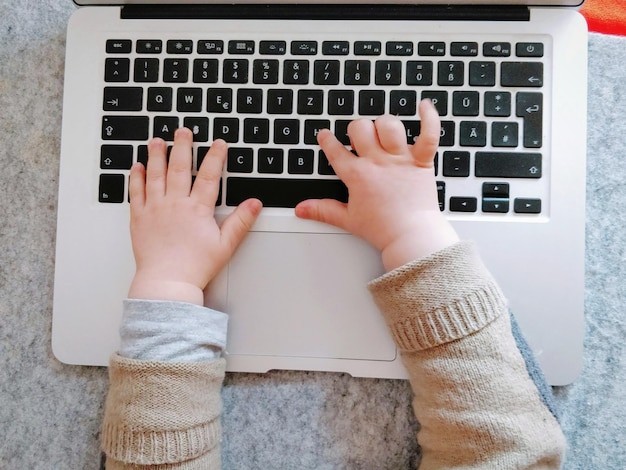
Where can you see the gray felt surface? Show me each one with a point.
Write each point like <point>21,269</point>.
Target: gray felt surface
<point>50,413</point>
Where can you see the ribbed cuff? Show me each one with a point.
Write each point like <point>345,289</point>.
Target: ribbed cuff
<point>438,299</point>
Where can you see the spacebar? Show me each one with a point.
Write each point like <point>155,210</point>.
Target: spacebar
<point>283,192</point>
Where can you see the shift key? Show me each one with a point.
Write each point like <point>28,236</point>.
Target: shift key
<point>125,127</point>
<point>508,165</point>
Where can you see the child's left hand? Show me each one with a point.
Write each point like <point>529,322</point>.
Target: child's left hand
<point>178,246</point>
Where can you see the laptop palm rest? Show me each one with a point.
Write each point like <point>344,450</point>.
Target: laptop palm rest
<point>326,312</point>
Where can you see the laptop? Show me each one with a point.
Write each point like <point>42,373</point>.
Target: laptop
<point>508,79</point>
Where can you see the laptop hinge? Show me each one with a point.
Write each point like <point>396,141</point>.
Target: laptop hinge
<point>329,12</point>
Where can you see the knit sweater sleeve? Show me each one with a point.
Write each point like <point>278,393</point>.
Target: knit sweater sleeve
<point>473,396</point>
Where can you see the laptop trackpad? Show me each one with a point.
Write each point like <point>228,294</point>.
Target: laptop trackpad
<point>305,295</point>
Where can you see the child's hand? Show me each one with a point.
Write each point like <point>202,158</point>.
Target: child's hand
<point>177,243</point>
<point>392,190</point>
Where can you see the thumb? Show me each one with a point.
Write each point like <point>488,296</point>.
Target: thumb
<point>237,225</point>
<point>328,211</point>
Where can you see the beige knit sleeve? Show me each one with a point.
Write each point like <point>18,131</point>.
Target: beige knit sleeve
<point>164,416</point>
<point>476,404</point>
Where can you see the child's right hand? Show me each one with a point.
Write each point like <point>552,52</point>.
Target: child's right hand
<point>392,200</point>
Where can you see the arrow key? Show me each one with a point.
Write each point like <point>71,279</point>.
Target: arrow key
<point>463,204</point>
<point>496,205</point>
<point>527,206</point>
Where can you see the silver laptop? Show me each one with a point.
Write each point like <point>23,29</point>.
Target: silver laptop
<point>508,78</point>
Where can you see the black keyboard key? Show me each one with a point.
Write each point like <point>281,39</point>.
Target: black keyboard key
<point>265,71</point>
<point>116,157</point>
<point>159,99</point>
<point>310,101</point>
<point>288,192</point>
<point>497,49</point>
<point>341,102</point>
<point>447,133</point>
<point>403,102</point>
<point>473,134</point>
<point>119,46</point>
<point>250,100</point>
<point>296,72</point>
<point>312,128</point>
<point>482,73</point>
<point>226,128</point>
<point>256,131</point>
<point>117,70</point>
<point>357,72</point>
<point>210,46</point>
<point>504,134</point>
<point>495,205</point>
<point>125,127</point>
<point>522,74</point>
<point>241,47</point>
<point>272,48</point>
<point>419,72</point>
<point>286,131</point>
<point>497,103</point>
<point>149,46</point>
<point>465,103</point>
<point>122,99</point>
<point>456,164</point>
<point>441,195</point>
<point>303,47</point>
<point>142,154</point>
<point>179,46</point>
<point>271,161</point>
<point>240,160</point>
<point>341,131</point>
<point>111,189</point>
<point>323,166</point>
<point>326,72</point>
<point>439,99</point>
<point>300,161</point>
<point>529,106</point>
<point>464,49</point>
<point>189,100</point>
<point>412,129</point>
<point>235,71</point>
<point>279,101</point>
<point>219,100</point>
<point>371,102</point>
<point>463,204</point>
<point>508,165</point>
<point>205,70</point>
<point>199,127</point>
<point>496,190</point>
<point>527,206</point>
<point>431,48</point>
<point>367,48</point>
<point>146,70</point>
<point>388,72</point>
<point>335,47</point>
<point>529,49</point>
<point>164,127</point>
<point>175,70</point>
<point>450,73</point>
<point>399,48</point>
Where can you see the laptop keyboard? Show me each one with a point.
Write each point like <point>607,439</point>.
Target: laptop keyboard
<point>268,98</point>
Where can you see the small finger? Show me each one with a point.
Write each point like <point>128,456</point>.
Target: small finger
<point>328,211</point>
<point>363,136</point>
<point>156,169</point>
<point>179,167</point>
<point>207,183</point>
<point>137,187</point>
<point>391,134</point>
<point>426,144</point>
<point>336,153</point>
<point>237,225</point>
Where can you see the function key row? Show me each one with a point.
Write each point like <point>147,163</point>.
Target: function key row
<point>333,48</point>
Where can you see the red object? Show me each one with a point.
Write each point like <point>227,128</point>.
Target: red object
<point>606,16</point>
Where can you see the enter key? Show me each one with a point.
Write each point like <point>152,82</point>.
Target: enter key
<point>529,106</point>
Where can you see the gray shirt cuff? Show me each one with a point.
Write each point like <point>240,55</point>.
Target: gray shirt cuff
<point>156,330</point>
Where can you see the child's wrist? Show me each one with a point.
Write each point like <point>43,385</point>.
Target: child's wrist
<point>431,237</point>
<point>154,289</point>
